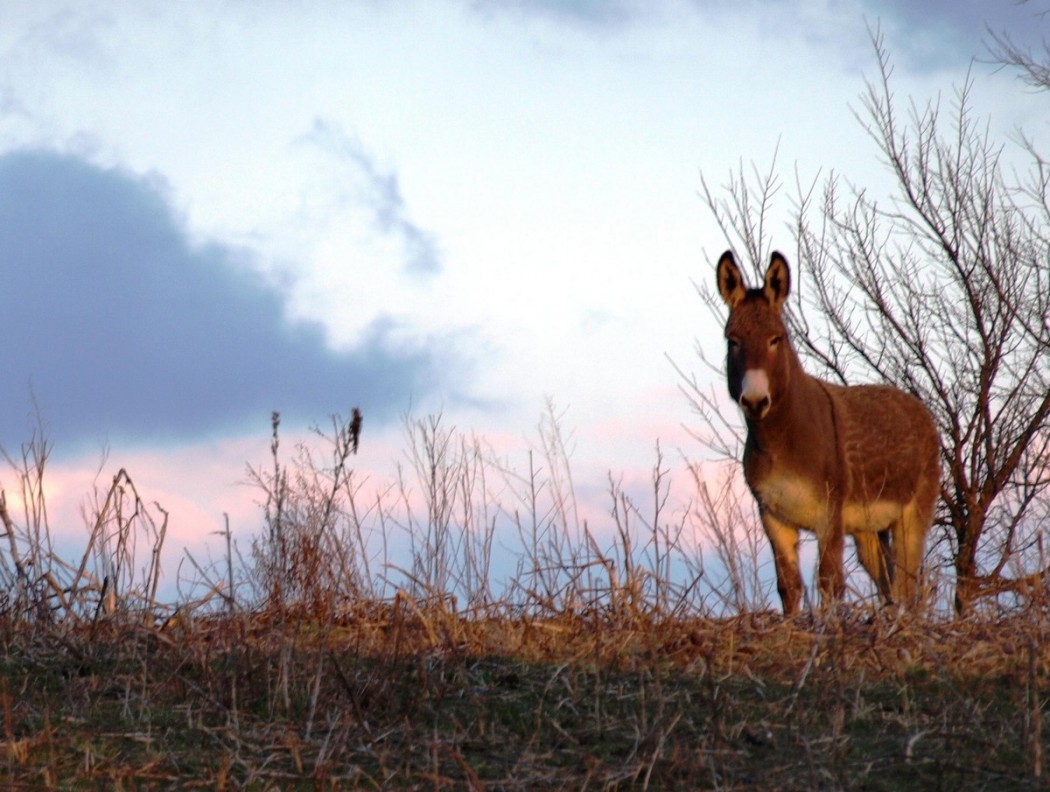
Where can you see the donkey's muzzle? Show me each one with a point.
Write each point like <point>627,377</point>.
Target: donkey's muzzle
<point>754,394</point>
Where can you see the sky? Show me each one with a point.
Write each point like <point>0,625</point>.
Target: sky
<point>210,211</point>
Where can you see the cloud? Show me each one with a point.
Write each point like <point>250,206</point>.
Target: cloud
<point>119,326</point>
<point>599,15</point>
<point>928,35</point>
<point>950,33</point>
<point>364,186</point>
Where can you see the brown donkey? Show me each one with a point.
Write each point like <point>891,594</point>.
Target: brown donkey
<point>862,460</point>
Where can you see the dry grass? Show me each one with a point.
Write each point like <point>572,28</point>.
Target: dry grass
<point>404,695</point>
<point>319,663</point>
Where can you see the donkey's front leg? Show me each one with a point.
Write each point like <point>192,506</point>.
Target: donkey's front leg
<point>830,575</point>
<point>784,539</point>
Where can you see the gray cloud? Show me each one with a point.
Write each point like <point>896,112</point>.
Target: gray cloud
<point>924,35</point>
<point>598,15</point>
<point>950,33</point>
<point>120,327</point>
<point>378,192</point>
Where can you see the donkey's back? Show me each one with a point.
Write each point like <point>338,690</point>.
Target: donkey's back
<point>889,445</point>
<point>889,455</point>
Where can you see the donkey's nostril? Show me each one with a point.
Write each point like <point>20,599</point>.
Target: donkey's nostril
<point>755,408</point>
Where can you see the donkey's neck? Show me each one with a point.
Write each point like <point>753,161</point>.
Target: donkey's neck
<point>800,416</point>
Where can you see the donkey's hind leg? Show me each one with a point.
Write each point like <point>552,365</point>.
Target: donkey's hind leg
<point>874,552</point>
<point>909,545</point>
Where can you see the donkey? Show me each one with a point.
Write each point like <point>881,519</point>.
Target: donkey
<point>861,460</point>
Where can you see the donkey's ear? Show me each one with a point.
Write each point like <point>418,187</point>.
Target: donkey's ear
<point>778,281</point>
<point>730,281</point>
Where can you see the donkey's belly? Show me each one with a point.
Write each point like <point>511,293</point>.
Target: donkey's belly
<point>798,501</point>
<point>874,516</point>
<point>794,500</point>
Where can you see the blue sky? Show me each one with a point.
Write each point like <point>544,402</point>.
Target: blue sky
<point>213,210</point>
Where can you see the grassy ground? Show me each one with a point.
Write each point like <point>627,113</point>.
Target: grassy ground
<point>316,662</point>
<point>401,695</point>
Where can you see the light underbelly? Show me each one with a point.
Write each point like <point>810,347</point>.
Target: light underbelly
<point>874,516</point>
<point>796,501</point>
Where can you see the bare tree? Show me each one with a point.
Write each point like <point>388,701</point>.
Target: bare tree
<point>944,291</point>
<point>1032,64</point>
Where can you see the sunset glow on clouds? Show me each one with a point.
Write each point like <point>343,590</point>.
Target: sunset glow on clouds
<point>212,211</point>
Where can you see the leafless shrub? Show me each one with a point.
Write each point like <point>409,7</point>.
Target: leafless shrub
<point>314,555</point>
<point>450,533</point>
<point>119,571</point>
<point>724,516</point>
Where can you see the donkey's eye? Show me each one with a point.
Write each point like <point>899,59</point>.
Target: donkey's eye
<point>733,344</point>
<point>775,341</point>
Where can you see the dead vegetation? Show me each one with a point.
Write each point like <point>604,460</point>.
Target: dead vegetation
<point>410,696</point>
<point>630,661</point>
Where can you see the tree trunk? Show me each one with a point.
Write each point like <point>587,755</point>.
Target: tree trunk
<point>966,583</point>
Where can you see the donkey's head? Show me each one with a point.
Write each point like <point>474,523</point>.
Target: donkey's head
<point>759,358</point>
